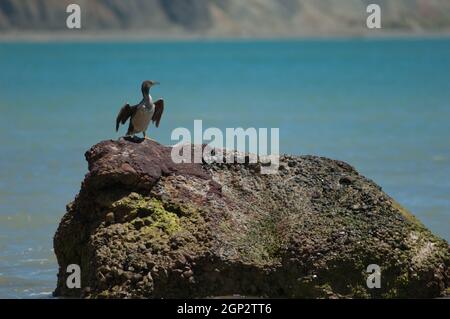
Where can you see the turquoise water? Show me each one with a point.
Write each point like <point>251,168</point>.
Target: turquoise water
<point>381,105</point>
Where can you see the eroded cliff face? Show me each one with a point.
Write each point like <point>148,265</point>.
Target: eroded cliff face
<point>227,17</point>
<point>143,226</point>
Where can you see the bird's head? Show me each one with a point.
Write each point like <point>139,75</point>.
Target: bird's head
<point>146,85</point>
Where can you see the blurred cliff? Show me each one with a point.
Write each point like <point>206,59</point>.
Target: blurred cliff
<point>226,17</point>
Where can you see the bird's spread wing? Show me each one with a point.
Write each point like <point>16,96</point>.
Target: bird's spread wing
<point>159,109</point>
<point>125,112</point>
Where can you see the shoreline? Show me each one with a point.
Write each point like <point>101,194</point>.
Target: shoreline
<point>144,36</point>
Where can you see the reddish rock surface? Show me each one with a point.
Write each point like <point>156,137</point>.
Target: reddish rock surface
<point>143,226</point>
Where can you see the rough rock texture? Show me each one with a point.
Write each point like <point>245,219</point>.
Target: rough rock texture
<point>143,226</point>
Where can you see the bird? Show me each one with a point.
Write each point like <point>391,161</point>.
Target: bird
<point>142,113</point>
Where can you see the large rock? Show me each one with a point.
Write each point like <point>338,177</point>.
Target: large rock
<point>143,226</point>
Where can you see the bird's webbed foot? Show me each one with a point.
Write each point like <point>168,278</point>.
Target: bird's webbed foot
<point>132,138</point>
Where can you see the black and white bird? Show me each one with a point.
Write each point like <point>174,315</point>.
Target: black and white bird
<point>141,114</point>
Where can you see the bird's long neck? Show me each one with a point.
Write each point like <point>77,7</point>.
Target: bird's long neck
<point>147,97</point>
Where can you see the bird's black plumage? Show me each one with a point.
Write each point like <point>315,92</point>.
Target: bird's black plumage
<point>125,113</point>
<point>159,109</point>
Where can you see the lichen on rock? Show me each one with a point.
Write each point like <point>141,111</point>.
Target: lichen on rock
<point>145,227</point>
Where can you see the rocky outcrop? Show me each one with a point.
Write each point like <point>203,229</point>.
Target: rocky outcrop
<point>143,226</point>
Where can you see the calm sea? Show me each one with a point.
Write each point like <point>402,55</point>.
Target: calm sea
<point>381,105</point>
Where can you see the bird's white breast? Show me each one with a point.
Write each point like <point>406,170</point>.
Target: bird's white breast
<point>142,118</point>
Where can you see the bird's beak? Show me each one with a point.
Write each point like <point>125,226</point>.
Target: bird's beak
<point>156,83</point>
